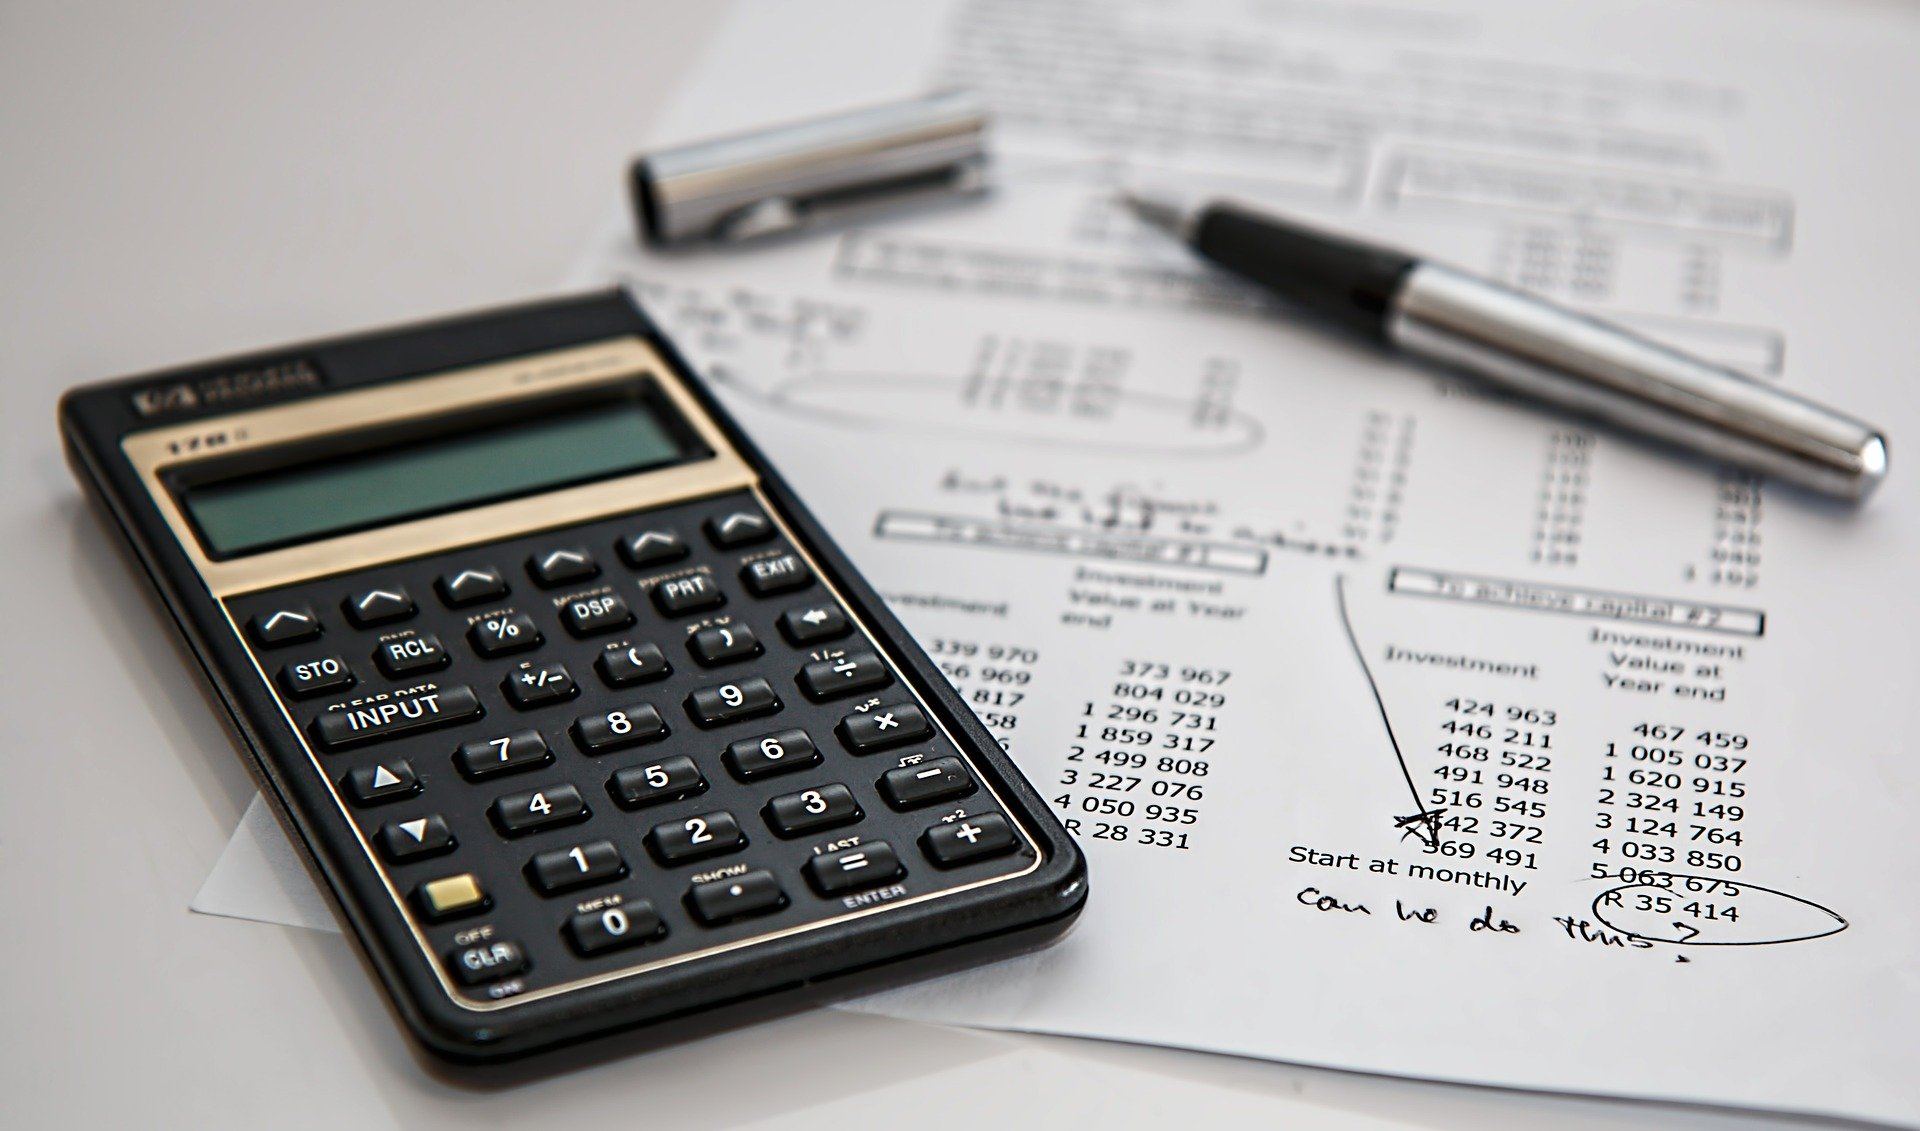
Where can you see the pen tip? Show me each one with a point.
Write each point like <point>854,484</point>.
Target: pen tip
<point>1157,211</point>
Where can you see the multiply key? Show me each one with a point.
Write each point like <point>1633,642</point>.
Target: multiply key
<point>891,724</point>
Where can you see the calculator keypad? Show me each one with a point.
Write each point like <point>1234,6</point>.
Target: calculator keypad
<point>667,735</point>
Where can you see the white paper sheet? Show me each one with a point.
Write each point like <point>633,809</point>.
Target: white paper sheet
<point>260,877</point>
<point>1246,602</point>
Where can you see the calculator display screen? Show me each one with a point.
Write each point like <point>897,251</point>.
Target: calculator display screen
<point>418,477</point>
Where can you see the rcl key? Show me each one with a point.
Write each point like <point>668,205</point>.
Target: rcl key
<point>411,654</point>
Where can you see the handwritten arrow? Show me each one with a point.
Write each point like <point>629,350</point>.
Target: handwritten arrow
<point>1423,823</point>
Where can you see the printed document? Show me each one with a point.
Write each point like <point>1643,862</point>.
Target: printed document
<point>1408,729</point>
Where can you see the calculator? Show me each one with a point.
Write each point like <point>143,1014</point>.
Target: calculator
<point>575,711</point>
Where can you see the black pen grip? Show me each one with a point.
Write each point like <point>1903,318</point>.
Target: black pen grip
<point>1346,281</point>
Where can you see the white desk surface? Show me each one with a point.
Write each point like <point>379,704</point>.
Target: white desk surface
<point>182,181</point>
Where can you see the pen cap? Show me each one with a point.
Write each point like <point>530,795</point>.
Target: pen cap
<point>796,175</point>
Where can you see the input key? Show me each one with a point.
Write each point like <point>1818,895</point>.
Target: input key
<point>377,720</point>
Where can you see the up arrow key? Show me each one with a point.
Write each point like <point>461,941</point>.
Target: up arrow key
<point>284,626</point>
<point>741,528</point>
<point>650,547</point>
<point>558,567</point>
<point>380,783</point>
<point>378,606</point>
<point>471,586</point>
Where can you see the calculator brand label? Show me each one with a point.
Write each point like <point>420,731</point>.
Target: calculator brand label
<point>223,390</point>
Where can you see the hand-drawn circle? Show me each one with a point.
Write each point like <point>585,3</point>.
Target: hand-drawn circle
<point>1822,921</point>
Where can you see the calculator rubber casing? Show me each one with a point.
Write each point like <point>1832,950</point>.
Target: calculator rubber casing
<point>770,977</point>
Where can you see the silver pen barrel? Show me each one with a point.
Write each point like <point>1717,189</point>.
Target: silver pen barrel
<point>1556,355</point>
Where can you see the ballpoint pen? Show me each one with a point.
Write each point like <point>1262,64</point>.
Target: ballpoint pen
<point>1530,346</point>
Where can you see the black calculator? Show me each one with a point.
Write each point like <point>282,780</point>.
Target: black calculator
<point>577,713</point>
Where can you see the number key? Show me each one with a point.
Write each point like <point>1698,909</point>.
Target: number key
<point>796,814</point>
<point>592,863</point>
<point>510,753</point>
<point>778,753</point>
<point>712,706</point>
<point>612,928</point>
<point>708,834</point>
<point>536,809</point>
<point>669,779</point>
<point>618,729</point>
